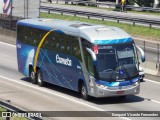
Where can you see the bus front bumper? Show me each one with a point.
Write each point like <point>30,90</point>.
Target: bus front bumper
<point>104,91</point>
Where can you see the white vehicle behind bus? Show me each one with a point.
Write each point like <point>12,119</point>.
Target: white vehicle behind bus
<point>141,73</point>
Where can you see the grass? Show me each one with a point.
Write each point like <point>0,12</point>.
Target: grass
<point>140,31</point>
<point>2,110</point>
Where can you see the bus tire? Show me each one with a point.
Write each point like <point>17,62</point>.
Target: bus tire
<point>83,92</point>
<point>39,78</point>
<point>32,76</point>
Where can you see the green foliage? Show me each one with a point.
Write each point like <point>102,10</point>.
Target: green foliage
<point>140,31</point>
<point>145,3</point>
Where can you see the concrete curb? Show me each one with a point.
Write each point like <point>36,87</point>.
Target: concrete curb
<point>152,72</point>
<point>9,33</point>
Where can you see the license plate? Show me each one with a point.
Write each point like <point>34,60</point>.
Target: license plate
<point>120,92</point>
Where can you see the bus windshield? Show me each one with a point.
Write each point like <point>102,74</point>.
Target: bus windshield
<point>117,62</point>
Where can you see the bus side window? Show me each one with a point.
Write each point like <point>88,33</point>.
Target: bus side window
<point>90,64</point>
<point>66,44</point>
<point>87,56</point>
<point>21,33</point>
<point>76,48</point>
<point>58,41</point>
<point>47,42</point>
<point>69,45</point>
<point>63,43</point>
<point>52,44</point>
<point>52,41</point>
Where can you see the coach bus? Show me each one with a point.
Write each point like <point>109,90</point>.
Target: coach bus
<point>94,60</point>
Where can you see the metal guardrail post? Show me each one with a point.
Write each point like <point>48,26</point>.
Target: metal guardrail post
<point>24,9</point>
<point>0,23</point>
<point>158,58</point>
<point>27,8</point>
<point>133,23</point>
<point>144,43</point>
<point>39,7</point>
<point>150,25</point>
<point>10,23</point>
<point>96,3</point>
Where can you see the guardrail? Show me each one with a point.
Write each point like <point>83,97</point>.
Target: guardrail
<point>97,3</point>
<point>8,22</point>
<point>106,16</point>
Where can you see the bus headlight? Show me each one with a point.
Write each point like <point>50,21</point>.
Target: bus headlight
<point>136,83</point>
<point>101,86</point>
<point>91,80</point>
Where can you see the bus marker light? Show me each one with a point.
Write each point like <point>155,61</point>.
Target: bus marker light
<point>95,49</point>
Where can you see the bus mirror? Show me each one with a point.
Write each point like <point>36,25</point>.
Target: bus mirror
<point>94,58</point>
<point>142,53</point>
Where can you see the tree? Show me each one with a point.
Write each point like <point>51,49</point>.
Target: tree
<point>143,3</point>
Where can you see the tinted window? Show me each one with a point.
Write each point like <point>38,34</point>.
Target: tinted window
<point>63,43</point>
<point>54,41</point>
<point>87,56</point>
<point>30,36</point>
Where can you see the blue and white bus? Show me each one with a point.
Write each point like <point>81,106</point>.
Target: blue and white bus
<point>95,60</point>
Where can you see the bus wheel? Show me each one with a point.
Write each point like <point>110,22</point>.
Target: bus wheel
<point>84,94</point>
<point>39,78</point>
<point>32,76</point>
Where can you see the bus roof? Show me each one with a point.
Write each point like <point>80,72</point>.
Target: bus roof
<point>96,34</point>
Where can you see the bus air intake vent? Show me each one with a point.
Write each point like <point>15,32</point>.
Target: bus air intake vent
<point>45,20</point>
<point>80,25</point>
<point>103,29</point>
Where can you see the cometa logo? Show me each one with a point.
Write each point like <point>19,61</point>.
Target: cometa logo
<point>63,61</point>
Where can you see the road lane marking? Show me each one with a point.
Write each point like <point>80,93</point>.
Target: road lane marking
<point>7,44</point>
<point>155,101</point>
<point>152,81</point>
<point>56,94</point>
<point>148,99</point>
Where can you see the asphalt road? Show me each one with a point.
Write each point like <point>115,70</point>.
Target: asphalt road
<point>150,49</point>
<point>18,89</point>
